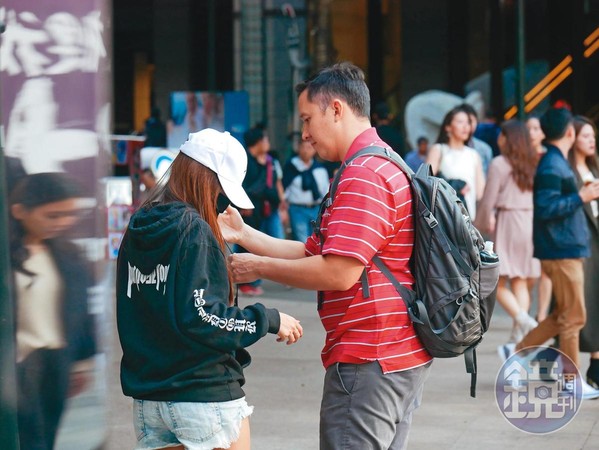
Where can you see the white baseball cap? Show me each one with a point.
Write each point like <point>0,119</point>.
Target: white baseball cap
<point>223,154</point>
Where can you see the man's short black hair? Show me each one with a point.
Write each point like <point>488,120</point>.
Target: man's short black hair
<point>421,139</point>
<point>252,136</point>
<point>344,80</point>
<point>555,122</point>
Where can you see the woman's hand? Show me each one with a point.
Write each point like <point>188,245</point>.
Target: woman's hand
<point>231,225</point>
<point>290,329</point>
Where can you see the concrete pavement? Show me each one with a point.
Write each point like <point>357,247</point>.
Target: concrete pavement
<point>284,383</point>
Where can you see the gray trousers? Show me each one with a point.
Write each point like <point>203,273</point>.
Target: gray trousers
<point>364,409</point>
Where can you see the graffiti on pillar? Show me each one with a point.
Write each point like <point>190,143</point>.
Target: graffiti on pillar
<point>53,107</point>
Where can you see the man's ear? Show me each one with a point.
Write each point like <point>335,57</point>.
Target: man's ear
<point>571,132</point>
<point>338,108</point>
<point>18,211</point>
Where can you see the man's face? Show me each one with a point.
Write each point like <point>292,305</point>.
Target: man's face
<point>318,127</point>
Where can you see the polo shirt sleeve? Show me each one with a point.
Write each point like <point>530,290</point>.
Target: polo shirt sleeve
<point>364,213</point>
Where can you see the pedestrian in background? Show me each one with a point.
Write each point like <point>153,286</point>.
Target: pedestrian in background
<point>536,135</point>
<point>182,334</point>
<point>506,213</point>
<point>484,150</point>
<point>55,333</point>
<point>383,122</point>
<point>415,158</point>
<point>561,240</point>
<point>583,160</point>
<point>452,159</point>
<point>375,363</point>
<point>155,130</point>
<point>262,186</point>
<point>306,182</point>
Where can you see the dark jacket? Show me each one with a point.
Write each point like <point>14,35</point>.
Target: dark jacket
<point>178,333</point>
<point>559,226</point>
<point>264,198</point>
<point>78,322</point>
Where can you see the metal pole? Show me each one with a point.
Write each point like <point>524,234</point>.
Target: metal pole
<point>8,381</point>
<point>521,60</point>
<point>211,45</point>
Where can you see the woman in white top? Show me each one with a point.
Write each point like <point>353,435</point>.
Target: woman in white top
<point>584,162</point>
<point>452,159</point>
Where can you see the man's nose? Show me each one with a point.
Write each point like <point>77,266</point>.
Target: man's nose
<point>305,134</point>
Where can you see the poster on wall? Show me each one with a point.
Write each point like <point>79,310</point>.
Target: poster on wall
<point>192,111</point>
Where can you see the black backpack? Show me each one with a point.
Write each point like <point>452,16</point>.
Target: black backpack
<point>455,277</point>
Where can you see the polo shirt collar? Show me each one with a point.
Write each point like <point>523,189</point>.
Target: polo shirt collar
<point>365,139</point>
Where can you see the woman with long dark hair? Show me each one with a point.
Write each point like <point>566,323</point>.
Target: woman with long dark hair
<point>506,212</point>
<point>54,331</point>
<point>459,164</point>
<point>583,159</point>
<point>182,333</point>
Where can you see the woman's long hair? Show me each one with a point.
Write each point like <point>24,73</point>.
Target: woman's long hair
<point>190,182</point>
<point>519,153</point>
<point>591,161</point>
<point>33,191</point>
<point>443,137</point>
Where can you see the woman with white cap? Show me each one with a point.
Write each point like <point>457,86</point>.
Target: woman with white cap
<point>181,331</point>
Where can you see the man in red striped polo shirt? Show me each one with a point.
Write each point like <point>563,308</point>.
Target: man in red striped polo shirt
<point>375,363</point>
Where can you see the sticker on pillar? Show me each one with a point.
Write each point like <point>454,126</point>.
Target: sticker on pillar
<point>161,161</point>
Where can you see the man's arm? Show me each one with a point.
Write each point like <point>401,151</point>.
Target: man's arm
<point>321,273</point>
<point>550,202</point>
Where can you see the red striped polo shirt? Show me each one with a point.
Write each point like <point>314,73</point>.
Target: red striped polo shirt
<point>371,214</point>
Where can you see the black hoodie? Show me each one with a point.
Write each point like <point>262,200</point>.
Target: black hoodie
<point>177,331</point>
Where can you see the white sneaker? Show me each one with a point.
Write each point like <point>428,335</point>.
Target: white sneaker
<point>516,334</point>
<point>528,325</point>
<point>522,326</point>
<point>506,350</point>
<point>589,392</point>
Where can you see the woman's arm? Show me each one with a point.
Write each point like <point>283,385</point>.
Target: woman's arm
<point>434,158</point>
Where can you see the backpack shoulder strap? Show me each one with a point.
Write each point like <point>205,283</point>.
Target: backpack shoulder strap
<point>373,150</point>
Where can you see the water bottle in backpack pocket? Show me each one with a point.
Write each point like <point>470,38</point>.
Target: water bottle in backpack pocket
<point>489,274</point>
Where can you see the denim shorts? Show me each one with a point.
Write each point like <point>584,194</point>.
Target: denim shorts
<point>198,426</point>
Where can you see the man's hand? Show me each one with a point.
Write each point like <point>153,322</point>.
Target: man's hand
<point>243,267</point>
<point>231,225</point>
<point>290,329</point>
<point>589,192</point>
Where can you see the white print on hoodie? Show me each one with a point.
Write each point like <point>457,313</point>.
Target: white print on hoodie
<point>157,277</point>
<point>231,324</point>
